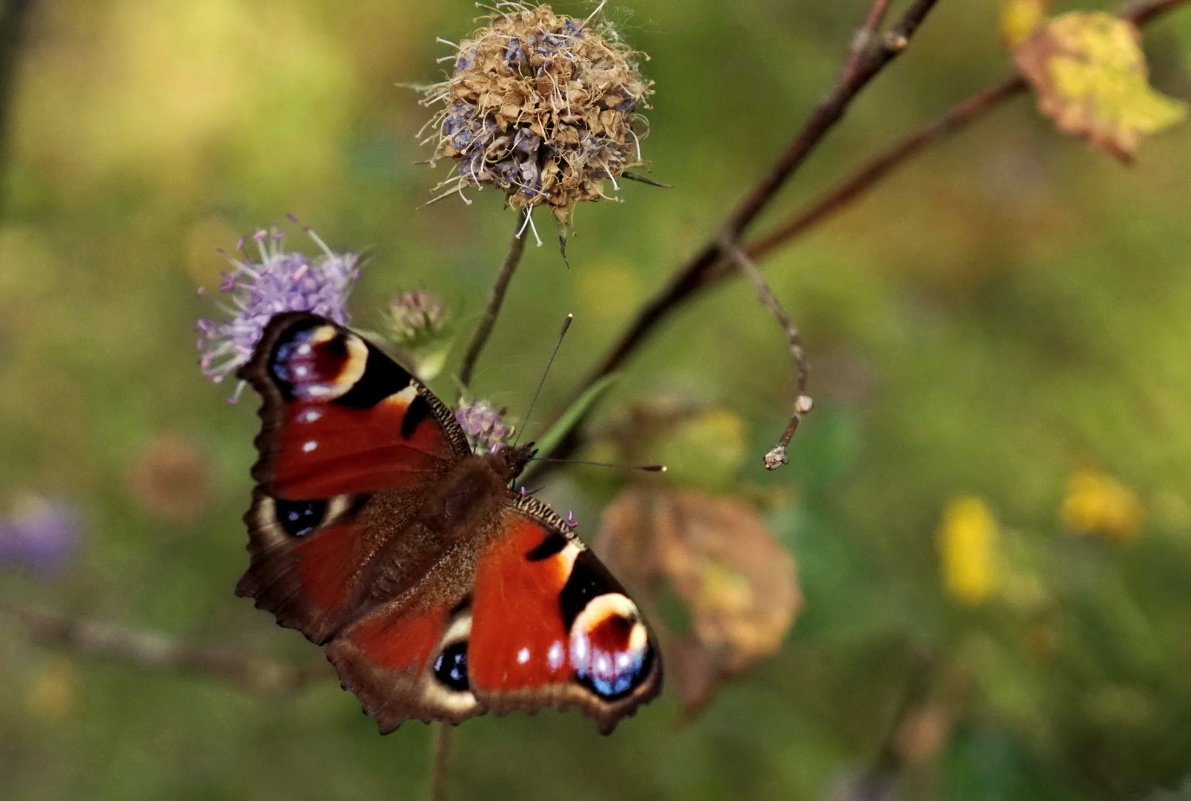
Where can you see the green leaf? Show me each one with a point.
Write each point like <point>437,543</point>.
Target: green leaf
<point>571,417</point>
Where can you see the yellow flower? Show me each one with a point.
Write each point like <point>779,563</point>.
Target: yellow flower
<point>1096,503</point>
<point>52,694</point>
<point>967,543</point>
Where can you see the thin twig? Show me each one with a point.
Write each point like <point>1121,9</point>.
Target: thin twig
<point>864,179</point>
<point>13,20</point>
<point>863,37</point>
<point>495,300</point>
<point>822,119</point>
<point>151,650</point>
<point>852,79</point>
<point>440,757</point>
<point>1142,13</point>
<point>776,457</point>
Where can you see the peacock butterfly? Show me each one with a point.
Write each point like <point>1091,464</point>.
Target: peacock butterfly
<point>438,591</point>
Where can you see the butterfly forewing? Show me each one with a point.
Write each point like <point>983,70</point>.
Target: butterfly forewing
<point>341,424</point>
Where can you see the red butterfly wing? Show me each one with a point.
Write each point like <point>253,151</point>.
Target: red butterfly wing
<point>546,625</point>
<point>341,422</point>
<point>552,627</point>
<point>438,592</point>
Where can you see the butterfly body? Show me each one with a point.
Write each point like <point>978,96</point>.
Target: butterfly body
<point>438,591</point>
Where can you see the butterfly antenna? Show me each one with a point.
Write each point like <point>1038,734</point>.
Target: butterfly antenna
<point>648,468</point>
<point>566,323</point>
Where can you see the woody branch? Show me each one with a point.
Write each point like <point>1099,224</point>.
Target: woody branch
<point>155,651</point>
<point>868,55</point>
<point>709,266</point>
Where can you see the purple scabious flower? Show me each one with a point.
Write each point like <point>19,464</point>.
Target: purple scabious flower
<point>484,426</point>
<point>42,535</point>
<point>276,281</point>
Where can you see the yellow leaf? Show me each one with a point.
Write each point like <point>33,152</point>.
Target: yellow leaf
<point>1020,18</point>
<point>1090,77</point>
<point>52,694</point>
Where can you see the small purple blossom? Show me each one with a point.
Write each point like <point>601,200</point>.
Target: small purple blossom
<point>483,424</point>
<point>42,535</point>
<point>417,325</point>
<point>571,520</point>
<point>415,316</point>
<point>277,281</point>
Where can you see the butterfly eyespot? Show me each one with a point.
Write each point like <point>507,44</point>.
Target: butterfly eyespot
<point>610,647</point>
<point>318,363</point>
<point>451,667</point>
<point>298,518</point>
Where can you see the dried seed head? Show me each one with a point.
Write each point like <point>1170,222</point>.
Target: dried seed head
<point>542,106</point>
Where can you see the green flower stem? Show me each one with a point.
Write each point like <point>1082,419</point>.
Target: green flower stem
<point>440,756</point>
<point>495,301</point>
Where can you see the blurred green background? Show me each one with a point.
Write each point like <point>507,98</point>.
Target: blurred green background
<point>989,506</point>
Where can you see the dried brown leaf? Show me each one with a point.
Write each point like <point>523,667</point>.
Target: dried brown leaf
<point>738,584</point>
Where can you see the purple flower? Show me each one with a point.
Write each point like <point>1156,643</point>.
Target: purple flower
<point>278,281</point>
<point>417,325</point>
<point>484,426</point>
<point>41,535</point>
<point>415,316</point>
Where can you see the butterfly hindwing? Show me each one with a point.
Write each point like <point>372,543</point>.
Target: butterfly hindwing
<point>552,627</point>
<point>341,422</point>
<point>545,625</point>
<point>407,660</point>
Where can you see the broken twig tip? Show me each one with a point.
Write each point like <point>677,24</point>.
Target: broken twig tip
<point>776,457</point>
